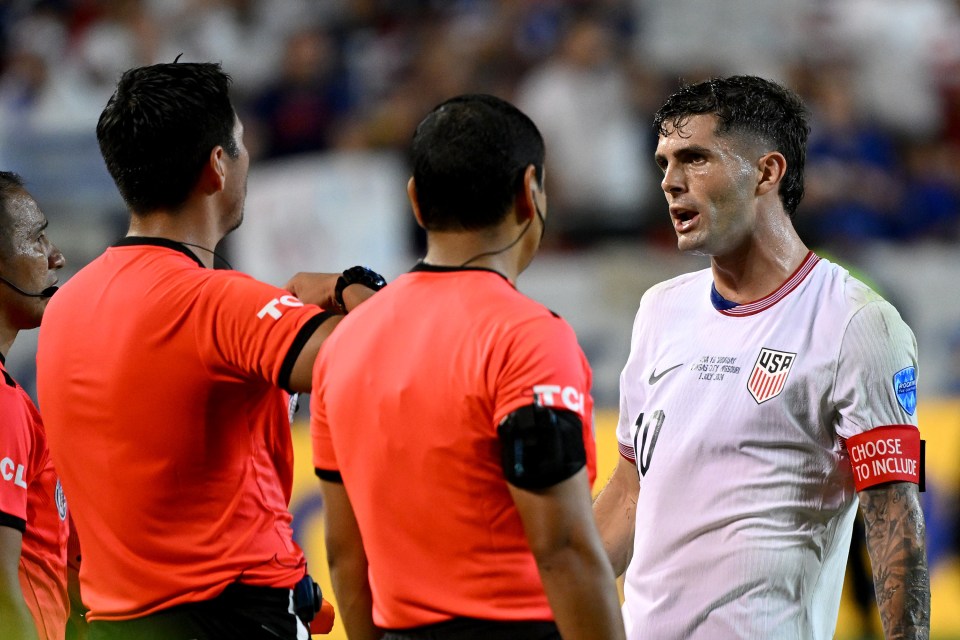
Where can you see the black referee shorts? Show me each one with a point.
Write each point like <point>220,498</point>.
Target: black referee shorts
<point>241,611</point>
<point>473,629</point>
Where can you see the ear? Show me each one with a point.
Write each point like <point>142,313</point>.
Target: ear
<point>412,195</point>
<point>531,198</point>
<point>213,178</point>
<point>772,167</point>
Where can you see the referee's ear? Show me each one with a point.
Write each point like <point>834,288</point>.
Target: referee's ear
<point>412,194</point>
<point>213,176</point>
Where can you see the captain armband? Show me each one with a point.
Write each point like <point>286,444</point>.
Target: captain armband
<point>886,454</point>
<point>541,446</point>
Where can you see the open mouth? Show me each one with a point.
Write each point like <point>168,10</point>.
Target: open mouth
<point>683,219</point>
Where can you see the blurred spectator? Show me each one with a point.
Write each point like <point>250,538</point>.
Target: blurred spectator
<point>298,111</point>
<point>852,193</point>
<point>930,206</point>
<point>598,165</point>
<point>895,46</point>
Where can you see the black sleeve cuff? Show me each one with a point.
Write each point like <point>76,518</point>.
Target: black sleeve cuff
<point>329,476</point>
<point>7,520</point>
<point>303,336</point>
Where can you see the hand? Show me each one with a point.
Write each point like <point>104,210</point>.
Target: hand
<point>314,288</point>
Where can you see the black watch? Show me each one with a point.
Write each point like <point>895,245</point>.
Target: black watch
<point>357,275</point>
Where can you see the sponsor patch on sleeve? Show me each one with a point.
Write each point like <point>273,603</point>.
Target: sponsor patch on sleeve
<point>905,386</point>
<point>885,454</point>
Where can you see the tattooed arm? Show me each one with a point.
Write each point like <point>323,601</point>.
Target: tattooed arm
<point>896,540</point>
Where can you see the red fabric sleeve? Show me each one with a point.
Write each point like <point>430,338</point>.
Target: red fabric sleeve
<point>250,325</point>
<point>543,360</point>
<point>16,453</point>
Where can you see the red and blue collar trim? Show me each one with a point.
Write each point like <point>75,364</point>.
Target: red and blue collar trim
<point>751,308</point>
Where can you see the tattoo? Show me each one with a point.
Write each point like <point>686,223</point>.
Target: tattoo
<point>896,540</point>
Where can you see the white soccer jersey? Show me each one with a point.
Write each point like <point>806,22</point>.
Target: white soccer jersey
<point>737,422</point>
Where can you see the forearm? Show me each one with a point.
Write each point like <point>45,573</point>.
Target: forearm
<point>582,592</point>
<point>348,564</point>
<point>896,540</point>
<point>615,512</point>
<point>615,516</point>
<point>16,623</point>
<point>354,600</point>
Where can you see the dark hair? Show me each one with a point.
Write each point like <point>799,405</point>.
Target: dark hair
<point>159,127</point>
<point>469,156</point>
<point>10,185</point>
<point>747,105</point>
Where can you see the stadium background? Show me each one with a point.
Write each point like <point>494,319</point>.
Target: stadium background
<point>329,93</point>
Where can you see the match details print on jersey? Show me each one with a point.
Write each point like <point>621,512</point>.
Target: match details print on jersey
<point>766,381</point>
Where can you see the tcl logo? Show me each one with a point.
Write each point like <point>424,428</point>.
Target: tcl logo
<point>271,309</point>
<point>551,395</point>
<point>10,470</point>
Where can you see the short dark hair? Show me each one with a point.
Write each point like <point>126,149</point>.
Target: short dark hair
<point>11,184</point>
<point>469,156</point>
<point>159,127</point>
<point>748,105</point>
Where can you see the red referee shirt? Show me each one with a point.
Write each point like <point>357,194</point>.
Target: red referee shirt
<point>407,396</point>
<point>158,381</point>
<point>31,500</point>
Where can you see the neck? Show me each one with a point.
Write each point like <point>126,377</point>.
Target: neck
<point>180,227</point>
<point>759,268</point>
<point>487,248</point>
<point>7,336</point>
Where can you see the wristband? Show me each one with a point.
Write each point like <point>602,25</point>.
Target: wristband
<point>885,454</point>
<point>357,275</point>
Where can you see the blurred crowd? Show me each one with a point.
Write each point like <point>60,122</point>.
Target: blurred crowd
<point>881,78</point>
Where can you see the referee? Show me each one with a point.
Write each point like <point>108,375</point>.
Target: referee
<point>167,385</point>
<point>452,420</point>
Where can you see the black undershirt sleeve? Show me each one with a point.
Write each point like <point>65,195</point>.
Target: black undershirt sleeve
<point>329,476</point>
<point>7,520</point>
<point>303,336</point>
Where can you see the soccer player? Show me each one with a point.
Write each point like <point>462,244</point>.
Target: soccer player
<point>761,397</point>
<point>165,384</point>
<point>33,513</point>
<point>452,420</point>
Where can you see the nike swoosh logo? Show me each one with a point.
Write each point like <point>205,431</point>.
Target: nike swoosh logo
<point>655,377</point>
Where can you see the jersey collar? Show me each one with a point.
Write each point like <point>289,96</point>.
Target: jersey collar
<point>422,266</point>
<point>136,241</point>
<point>750,308</point>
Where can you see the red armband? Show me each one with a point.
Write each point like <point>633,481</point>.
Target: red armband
<point>885,454</point>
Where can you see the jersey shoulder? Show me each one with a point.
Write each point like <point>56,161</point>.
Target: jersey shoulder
<point>678,290</point>
<point>855,294</point>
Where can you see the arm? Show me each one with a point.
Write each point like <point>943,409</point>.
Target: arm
<point>319,289</point>
<point>16,622</point>
<point>576,576</point>
<point>348,563</point>
<point>301,376</point>
<point>77,622</point>
<point>615,511</point>
<point>896,541</point>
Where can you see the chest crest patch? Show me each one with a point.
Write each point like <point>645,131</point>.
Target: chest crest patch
<point>770,374</point>
<point>61,501</point>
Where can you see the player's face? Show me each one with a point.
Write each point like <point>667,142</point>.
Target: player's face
<point>30,262</point>
<point>710,185</point>
<point>237,180</point>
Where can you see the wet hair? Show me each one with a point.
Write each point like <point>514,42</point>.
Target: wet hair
<point>159,127</point>
<point>747,106</point>
<point>469,156</point>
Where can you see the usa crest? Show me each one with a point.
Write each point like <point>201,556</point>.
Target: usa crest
<point>905,386</point>
<point>770,374</point>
